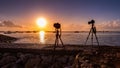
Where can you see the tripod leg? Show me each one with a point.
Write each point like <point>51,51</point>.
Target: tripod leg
<point>61,41</point>
<point>97,39</point>
<point>92,38</point>
<point>55,44</point>
<point>88,37</point>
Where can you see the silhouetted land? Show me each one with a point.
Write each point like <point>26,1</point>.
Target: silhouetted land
<point>7,39</point>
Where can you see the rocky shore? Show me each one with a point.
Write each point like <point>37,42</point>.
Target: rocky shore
<point>7,39</point>
<point>70,57</point>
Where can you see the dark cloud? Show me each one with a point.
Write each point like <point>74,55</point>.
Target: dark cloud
<point>8,24</point>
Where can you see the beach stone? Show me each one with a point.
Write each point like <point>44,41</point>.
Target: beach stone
<point>118,55</point>
<point>96,65</point>
<point>10,65</point>
<point>6,54</point>
<point>7,59</point>
<point>103,66</point>
<point>19,54</point>
<point>76,63</point>
<point>86,64</point>
<point>70,62</point>
<point>33,62</point>
<point>1,55</point>
<point>57,65</point>
<point>117,64</point>
<point>49,59</point>
<point>22,59</point>
<point>29,55</point>
<point>63,59</point>
<point>68,67</point>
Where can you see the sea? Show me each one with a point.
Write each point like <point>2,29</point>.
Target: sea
<point>73,38</point>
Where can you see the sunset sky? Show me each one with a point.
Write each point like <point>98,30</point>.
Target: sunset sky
<point>72,14</point>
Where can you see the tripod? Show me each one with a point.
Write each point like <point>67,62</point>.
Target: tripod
<point>58,37</point>
<point>93,31</point>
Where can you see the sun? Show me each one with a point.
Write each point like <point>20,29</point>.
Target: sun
<point>41,22</point>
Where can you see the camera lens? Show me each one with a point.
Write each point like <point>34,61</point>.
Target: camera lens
<point>57,25</point>
<point>91,22</point>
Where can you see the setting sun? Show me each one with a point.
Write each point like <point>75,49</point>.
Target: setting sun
<point>41,22</point>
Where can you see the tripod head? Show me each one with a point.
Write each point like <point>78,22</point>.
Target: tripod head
<point>93,27</point>
<point>92,22</point>
<point>93,32</point>
<point>57,25</point>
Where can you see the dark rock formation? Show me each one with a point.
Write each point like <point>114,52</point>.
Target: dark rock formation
<point>7,39</point>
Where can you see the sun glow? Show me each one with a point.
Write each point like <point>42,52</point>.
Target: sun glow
<point>41,22</point>
<point>42,36</point>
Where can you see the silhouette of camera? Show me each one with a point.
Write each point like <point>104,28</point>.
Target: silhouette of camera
<point>91,22</point>
<point>57,25</point>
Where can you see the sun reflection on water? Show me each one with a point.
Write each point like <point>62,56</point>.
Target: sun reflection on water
<point>42,37</point>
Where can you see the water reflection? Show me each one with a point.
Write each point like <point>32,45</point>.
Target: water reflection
<point>42,36</point>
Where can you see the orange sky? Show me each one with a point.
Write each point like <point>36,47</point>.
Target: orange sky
<point>76,26</point>
<point>73,15</point>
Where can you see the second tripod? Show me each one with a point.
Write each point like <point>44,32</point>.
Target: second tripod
<point>92,32</point>
<point>58,35</point>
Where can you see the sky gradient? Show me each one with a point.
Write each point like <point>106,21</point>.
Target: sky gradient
<point>72,14</point>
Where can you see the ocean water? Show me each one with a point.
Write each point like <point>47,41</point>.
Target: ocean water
<point>106,38</point>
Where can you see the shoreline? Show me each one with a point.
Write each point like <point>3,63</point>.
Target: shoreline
<point>48,49</point>
<point>60,58</point>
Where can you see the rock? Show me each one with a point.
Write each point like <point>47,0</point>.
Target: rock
<point>33,62</point>
<point>7,59</point>
<point>7,39</point>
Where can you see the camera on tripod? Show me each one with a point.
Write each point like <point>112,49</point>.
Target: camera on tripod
<point>91,22</point>
<point>57,25</point>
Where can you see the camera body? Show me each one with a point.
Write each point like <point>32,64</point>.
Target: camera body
<point>91,22</point>
<point>57,25</point>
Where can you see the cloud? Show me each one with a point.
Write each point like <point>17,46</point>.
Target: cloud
<point>8,24</point>
<point>76,27</point>
<point>111,25</point>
